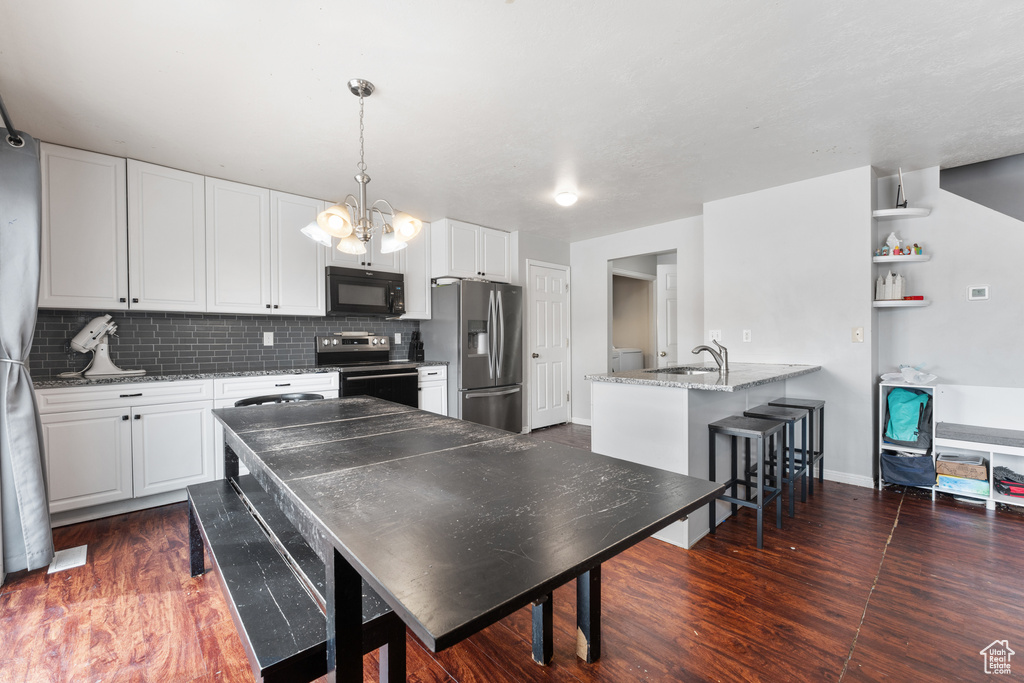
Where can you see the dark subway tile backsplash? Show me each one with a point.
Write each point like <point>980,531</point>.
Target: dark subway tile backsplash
<point>173,343</point>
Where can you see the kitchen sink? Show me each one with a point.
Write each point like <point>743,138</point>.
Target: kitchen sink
<point>682,371</point>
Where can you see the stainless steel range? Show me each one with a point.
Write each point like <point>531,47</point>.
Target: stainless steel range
<point>363,361</point>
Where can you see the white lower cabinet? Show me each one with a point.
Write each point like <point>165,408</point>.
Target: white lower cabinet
<point>88,457</point>
<point>433,386</point>
<point>110,443</point>
<point>170,447</point>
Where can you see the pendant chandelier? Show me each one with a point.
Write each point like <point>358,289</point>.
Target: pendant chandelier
<point>354,221</point>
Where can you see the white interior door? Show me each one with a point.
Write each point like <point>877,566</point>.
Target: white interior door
<point>548,347</point>
<point>668,306</point>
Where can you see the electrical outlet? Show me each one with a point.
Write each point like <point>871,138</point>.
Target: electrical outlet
<point>746,335</point>
<point>268,338</point>
<point>715,335</point>
<point>398,338</point>
<point>858,335</point>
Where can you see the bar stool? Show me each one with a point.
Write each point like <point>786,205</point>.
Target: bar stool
<point>759,431</point>
<point>795,469</point>
<point>814,407</point>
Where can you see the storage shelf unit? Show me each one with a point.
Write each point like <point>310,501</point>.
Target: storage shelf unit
<point>888,214</point>
<point>986,421</point>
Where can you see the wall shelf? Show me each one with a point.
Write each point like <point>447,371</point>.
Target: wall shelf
<point>902,259</point>
<point>900,213</point>
<point>901,303</point>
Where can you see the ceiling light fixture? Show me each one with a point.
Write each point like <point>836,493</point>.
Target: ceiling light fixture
<point>353,221</point>
<point>565,198</point>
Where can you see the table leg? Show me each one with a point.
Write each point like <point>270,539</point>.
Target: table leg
<point>588,615</point>
<point>543,638</point>
<point>392,656</point>
<point>344,621</point>
<point>230,463</point>
<point>197,561</point>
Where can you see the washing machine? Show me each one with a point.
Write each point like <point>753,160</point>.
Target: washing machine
<point>627,359</point>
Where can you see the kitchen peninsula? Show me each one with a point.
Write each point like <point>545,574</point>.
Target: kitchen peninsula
<point>659,418</point>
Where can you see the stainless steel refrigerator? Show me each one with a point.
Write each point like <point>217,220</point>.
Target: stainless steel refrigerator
<point>477,327</point>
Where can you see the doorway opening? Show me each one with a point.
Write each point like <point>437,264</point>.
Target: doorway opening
<point>643,312</point>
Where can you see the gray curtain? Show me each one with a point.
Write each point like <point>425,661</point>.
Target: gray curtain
<point>27,542</point>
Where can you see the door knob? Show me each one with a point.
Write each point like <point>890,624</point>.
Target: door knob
<point>662,354</point>
<point>536,355</point>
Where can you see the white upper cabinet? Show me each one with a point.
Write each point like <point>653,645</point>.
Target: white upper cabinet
<point>297,275</point>
<point>166,238</point>
<point>237,247</point>
<point>466,250</point>
<point>84,230</point>
<point>417,276</point>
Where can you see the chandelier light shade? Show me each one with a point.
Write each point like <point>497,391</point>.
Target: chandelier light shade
<point>354,221</point>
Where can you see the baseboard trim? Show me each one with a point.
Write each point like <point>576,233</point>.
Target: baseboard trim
<point>116,508</point>
<point>855,479</point>
<point>581,421</point>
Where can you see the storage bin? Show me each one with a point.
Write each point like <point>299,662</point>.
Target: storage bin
<point>974,487</point>
<point>909,470</point>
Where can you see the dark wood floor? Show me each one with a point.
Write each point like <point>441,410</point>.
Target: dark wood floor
<point>861,586</point>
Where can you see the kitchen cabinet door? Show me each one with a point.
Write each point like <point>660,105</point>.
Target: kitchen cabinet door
<point>88,457</point>
<point>84,259</point>
<point>495,255</point>
<point>237,247</point>
<point>462,249</point>
<point>433,389</point>
<point>297,275</point>
<point>171,446</point>
<point>373,259</point>
<point>166,238</point>
<point>417,276</point>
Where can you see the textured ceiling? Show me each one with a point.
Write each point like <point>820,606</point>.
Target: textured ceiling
<point>484,108</point>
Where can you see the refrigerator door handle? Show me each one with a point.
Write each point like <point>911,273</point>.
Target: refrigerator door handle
<point>492,393</point>
<point>490,335</point>
<point>500,320</point>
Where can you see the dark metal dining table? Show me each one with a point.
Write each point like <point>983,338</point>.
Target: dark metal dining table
<point>455,525</point>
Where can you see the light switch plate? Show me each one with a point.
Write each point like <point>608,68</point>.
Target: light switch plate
<point>268,338</point>
<point>398,338</point>
<point>715,335</point>
<point>746,335</point>
<point>68,558</point>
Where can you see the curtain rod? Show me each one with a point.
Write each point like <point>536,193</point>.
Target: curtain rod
<point>13,137</point>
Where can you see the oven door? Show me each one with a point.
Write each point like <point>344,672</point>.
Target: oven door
<point>399,386</point>
<point>348,295</point>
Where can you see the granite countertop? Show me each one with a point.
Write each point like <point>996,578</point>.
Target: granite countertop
<point>60,382</point>
<point>740,376</point>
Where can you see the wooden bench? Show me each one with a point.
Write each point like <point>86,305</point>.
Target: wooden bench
<point>274,585</point>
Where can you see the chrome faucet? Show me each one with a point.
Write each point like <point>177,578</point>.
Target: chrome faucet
<point>721,356</point>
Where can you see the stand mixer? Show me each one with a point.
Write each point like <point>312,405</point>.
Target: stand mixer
<point>94,337</point>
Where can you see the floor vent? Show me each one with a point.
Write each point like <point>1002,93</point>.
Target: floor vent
<point>68,558</point>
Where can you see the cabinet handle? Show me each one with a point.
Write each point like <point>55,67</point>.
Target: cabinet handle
<point>135,300</point>
<point>286,384</point>
<point>268,305</point>
<point>276,306</point>
<point>122,300</point>
<point>131,395</point>
<point>138,417</point>
<point>124,417</point>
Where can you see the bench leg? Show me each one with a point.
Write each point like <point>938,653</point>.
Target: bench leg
<point>195,544</point>
<point>392,655</point>
<point>344,620</point>
<point>588,615</point>
<point>711,477</point>
<point>543,639</point>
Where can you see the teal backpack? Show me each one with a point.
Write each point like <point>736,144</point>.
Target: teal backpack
<point>908,418</point>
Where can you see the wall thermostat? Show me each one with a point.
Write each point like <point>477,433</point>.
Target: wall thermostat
<point>977,292</point>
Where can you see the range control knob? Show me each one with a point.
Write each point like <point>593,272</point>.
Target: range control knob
<point>326,342</point>
<point>383,340</point>
<point>334,342</point>
<point>374,341</point>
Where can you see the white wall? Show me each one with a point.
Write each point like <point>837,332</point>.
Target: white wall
<point>646,264</point>
<point>591,294</point>
<point>963,342</point>
<point>792,264</point>
<point>530,245</point>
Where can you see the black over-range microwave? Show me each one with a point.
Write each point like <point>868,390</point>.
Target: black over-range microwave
<point>353,291</point>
